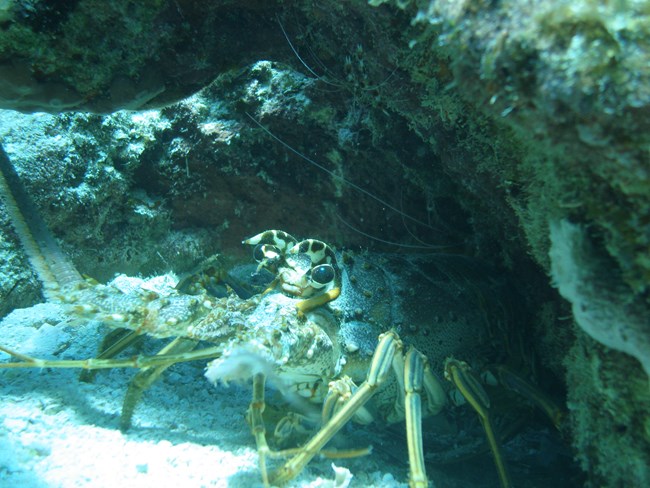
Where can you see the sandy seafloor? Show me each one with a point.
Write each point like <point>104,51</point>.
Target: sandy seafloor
<point>56,431</point>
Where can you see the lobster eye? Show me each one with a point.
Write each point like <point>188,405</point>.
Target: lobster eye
<point>258,253</point>
<point>323,274</point>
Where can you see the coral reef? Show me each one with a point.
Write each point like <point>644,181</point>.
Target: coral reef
<point>77,169</point>
<point>608,401</point>
<point>602,305</point>
<point>570,79</point>
<point>18,283</point>
<point>507,131</point>
<point>102,56</point>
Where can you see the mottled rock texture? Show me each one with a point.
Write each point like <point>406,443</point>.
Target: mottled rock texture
<point>486,122</point>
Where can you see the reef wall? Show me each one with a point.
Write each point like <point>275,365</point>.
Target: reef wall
<point>513,131</point>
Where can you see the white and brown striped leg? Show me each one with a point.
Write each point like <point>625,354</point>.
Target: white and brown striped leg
<point>413,384</point>
<point>417,382</point>
<point>462,376</point>
<point>255,419</point>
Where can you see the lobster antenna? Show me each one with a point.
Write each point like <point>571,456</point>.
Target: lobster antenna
<point>323,78</point>
<point>338,178</point>
<point>295,52</point>
<point>422,245</point>
<point>51,265</point>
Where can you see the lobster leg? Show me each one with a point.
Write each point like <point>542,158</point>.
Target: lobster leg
<point>114,342</point>
<point>389,344</point>
<point>461,375</point>
<point>93,363</point>
<point>413,383</point>
<point>147,376</point>
<point>256,422</point>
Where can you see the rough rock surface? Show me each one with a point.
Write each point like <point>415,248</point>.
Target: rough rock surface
<point>484,121</point>
<point>102,56</point>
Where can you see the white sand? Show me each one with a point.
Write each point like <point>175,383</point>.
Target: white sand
<point>58,432</point>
